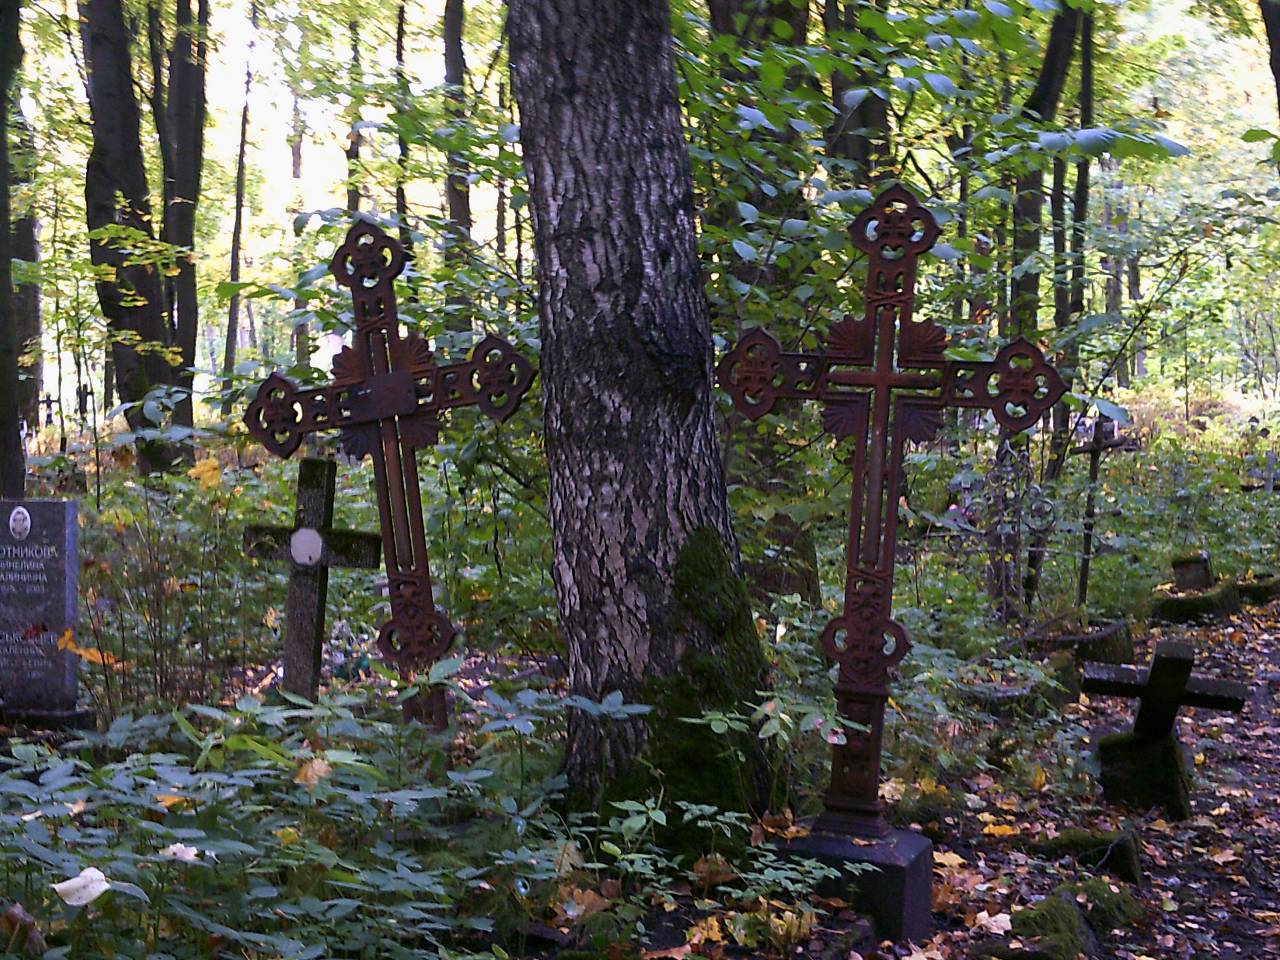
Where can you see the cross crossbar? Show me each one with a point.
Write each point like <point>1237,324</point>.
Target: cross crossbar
<point>1165,686</point>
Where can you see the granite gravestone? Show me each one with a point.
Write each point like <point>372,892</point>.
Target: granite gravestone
<point>38,567</point>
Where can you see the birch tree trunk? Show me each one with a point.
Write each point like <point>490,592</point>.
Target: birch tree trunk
<point>645,562</point>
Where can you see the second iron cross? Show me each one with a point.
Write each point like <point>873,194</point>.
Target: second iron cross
<point>386,397</point>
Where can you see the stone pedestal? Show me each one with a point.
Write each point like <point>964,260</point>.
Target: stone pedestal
<point>897,894</point>
<point>1144,772</point>
<point>49,719</point>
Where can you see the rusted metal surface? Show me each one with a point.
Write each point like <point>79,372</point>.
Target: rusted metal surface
<point>883,380</point>
<point>386,397</point>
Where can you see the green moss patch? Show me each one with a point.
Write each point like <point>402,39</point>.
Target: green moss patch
<point>1056,925</point>
<point>1260,590</point>
<point>726,771</point>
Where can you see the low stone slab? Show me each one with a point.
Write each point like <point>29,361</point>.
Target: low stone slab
<point>1101,851</point>
<point>1212,604</point>
<point>1261,590</point>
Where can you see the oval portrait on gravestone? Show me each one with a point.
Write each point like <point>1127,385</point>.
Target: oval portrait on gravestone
<point>306,546</point>
<point>19,523</point>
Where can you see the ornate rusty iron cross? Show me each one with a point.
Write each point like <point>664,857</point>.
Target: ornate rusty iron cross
<point>386,397</point>
<point>880,398</point>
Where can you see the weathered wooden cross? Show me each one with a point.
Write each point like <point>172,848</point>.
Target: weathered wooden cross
<point>1104,439</point>
<point>311,546</point>
<point>883,380</point>
<point>1167,685</point>
<point>386,397</point>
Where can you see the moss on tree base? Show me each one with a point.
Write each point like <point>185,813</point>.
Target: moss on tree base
<point>1211,604</point>
<point>1140,772</point>
<point>688,761</point>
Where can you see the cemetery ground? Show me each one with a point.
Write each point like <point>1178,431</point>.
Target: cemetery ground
<point>213,815</point>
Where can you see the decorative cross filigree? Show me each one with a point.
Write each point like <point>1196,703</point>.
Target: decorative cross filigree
<point>386,398</point>
<point>883,380</point>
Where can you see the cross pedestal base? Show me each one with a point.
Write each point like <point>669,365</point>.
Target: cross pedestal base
<point>898,894</point>
<point>1144,772</point>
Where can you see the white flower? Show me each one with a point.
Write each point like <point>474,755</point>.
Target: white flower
<point>180,851</point>
<point>82,889</point>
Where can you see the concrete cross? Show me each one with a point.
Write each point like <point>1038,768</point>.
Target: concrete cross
<point>1162,689</point>
<point>311,546</point>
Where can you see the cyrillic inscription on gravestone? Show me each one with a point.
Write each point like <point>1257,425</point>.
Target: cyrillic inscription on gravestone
<point>38,567</point>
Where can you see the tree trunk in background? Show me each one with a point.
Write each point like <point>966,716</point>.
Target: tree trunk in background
<point>186,114</point>
<point>26,247</point>
<point>644,556</point>
<point>457,189</point>
<point>133,300</point>
<point>237,227</point>
<point>402,144</point>
<point>12,457</point>
<point>1271,21</point>
<point>860,133</point>
<point>354,138</point>
<point>1028,203</point>
<point>178,110</point>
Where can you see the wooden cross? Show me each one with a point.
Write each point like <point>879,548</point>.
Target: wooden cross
<point>1104,439</point>
<point>311,546</point>
<point>883,380</point>
<point>1163,688</point>
<point>386,397</point>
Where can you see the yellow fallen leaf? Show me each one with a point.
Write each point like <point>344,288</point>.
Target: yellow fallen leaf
<point>1000,923</point>
<point>947,859</point>
<point>1000,830</point>
<point>1225,855</point>
<point>287,835</point>
<point>1038,777</point>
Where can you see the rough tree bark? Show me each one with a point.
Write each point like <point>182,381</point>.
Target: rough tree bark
<point>644,555</point>
<point>1271,21</point>
<point>12,459</point>
<point>402,144</point>
<point>354,137</point>
<point>131,297</point>
<point>457,188</point>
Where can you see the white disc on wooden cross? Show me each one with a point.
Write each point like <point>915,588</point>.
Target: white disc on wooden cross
<point>305,546</point>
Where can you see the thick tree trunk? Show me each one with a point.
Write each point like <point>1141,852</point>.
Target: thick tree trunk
<point>12,458</point>
<point>132,299</point>
<point>26,296</point>
<point>644,555</point>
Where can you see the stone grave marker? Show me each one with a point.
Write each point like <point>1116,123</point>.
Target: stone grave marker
<point>1197,594</point>
<point>1145,768</point>
<point>884,381</point>
<point>311,546</point>
<point>39,569</point>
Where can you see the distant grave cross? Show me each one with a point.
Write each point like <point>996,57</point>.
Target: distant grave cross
<point>386,397</point>
<point>311,547</point>
<point>883,380</point>
<point>1104,439</point>
<point>1162,689</point>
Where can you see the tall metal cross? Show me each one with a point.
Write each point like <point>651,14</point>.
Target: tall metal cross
<point>386,397</point>
<point>883,381</point>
